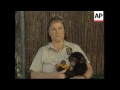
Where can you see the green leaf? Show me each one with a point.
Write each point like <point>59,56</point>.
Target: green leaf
<point>18,70</point>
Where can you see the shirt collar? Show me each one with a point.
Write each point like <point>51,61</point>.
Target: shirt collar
<point>65,45</point>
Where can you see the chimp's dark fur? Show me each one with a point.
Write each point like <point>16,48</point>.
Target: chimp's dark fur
<point>80,66</point>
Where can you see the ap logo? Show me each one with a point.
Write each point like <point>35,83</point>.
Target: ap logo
<point>98,16</point>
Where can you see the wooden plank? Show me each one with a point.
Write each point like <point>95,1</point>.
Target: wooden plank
<point>43,24</point>
<point>75,26</point>
<point>83,29</point>
<point>102,47</point>
<point>98,48</point>
<point>91,46</point>
<point>95,47</point>
<point>91,39</point>
<point>88,41</point>
<point>45,29</point>
<point>91,35</point>
<point>26,31</point>
<point>93,54</point>
<point>70,28</point>
<point>31,35</point>
<point>40,30</point>
<point>27,37</point>
<point>80,28</point>
<point>35,33</point>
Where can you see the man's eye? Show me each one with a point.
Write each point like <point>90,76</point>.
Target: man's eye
<point>53,29</point>
<point>60,28</point>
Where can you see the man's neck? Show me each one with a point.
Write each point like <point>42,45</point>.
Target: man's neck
<point>58,45</point>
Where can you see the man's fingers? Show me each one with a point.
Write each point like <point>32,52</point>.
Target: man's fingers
<point>63,71</point>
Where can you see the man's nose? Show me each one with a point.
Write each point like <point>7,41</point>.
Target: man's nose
<point>57,31</point>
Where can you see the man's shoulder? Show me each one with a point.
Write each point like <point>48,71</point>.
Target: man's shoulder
<point>72,44</point>
<point>43,47</point>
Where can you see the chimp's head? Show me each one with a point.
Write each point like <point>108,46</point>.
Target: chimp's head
<point>75,58</point>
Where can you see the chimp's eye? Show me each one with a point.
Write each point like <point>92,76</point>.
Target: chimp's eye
<point>72,59</point>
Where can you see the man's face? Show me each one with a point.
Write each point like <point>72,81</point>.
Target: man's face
<point>56,31</point>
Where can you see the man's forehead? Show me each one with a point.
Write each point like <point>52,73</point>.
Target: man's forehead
<point>56,22</point>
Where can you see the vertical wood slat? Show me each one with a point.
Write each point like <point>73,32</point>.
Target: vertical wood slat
<point>97,53</point>
<point>95,47</point>
<point>38,33</point>
<point>26,37</point>
<point>70,27</point>
<point>75,27</point>
<point>35,33</point>
<point>82,29</point>
<point>41,29</point>
<point>45,27</point>
<point>93,53</point>
<point>98,50</point>
<point>43,24</point>
<point>31,35</point>
<point>85,32</point>
<point>91,47</point>
<point>91,39</point>
<point>32,31</point>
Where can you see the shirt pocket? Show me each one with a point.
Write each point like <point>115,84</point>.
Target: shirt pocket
<point>50,60</point>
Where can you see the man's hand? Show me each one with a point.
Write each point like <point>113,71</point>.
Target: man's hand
<point>63,71</point>
<point>60,75</point>
<point>78,77</point>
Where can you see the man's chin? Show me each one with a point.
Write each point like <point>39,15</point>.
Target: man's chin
<point>58,40</point>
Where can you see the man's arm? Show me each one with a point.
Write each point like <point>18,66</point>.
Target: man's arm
<point>42,75</point>
<point>87,74</point>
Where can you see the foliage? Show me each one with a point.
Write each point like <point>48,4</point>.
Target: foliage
<point>98,76</point>
<point>18,74</point>
<point>27,73</point>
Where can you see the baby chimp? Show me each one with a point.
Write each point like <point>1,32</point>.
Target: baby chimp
<point>77,65</point>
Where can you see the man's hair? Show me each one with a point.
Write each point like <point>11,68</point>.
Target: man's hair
<point>54,18</point>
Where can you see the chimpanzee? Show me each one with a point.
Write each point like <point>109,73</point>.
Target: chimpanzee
<point>77,65</point>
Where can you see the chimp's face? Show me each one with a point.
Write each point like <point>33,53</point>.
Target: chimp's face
<point>76,58</point>
<point>72,61</point>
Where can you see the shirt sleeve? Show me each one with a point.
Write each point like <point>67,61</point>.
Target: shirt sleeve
<point>77,48</point>
<point>37,62</point>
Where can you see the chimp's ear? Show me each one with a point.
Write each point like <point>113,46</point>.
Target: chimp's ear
<point>83,60</point>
